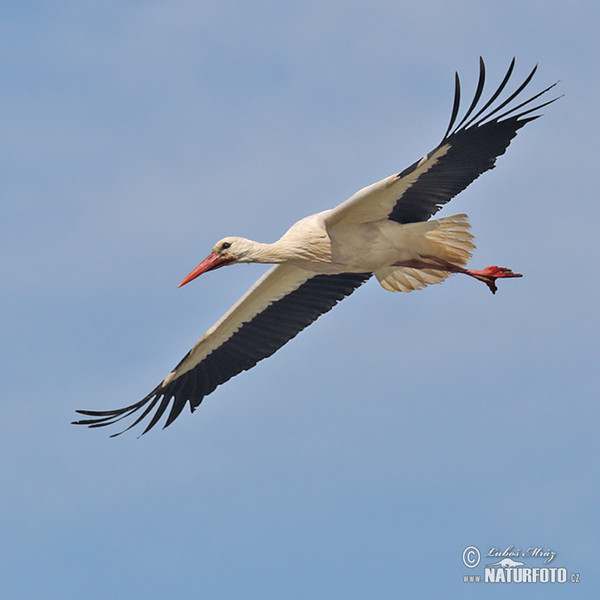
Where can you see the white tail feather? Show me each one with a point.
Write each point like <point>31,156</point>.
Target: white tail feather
<point>452,242</point>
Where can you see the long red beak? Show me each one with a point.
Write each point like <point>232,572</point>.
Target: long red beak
<point>212,261</point>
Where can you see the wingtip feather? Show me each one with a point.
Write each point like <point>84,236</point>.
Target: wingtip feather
<point>477,119</point>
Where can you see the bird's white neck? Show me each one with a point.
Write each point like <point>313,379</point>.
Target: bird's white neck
<point>283,250</point>
<point>257,252</point>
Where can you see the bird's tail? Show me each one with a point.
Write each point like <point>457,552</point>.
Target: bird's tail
<point>453,239</point>
<point>452,242</point>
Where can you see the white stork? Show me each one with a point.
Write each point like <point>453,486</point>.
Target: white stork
<point>383,230</point>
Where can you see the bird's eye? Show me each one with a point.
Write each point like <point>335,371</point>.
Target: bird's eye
<point>225,245</point>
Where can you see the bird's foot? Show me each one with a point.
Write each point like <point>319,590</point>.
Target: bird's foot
<point>490,274</point>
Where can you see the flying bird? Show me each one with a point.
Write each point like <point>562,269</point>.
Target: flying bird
<point>382,230</point>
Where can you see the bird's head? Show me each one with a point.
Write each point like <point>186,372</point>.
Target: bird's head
<point>225,252</point>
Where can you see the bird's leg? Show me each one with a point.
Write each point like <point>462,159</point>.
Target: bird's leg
<point>487,275</point>
<point>490,274</point>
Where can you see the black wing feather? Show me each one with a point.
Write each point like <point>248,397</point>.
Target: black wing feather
<point>254,340</point>
<point>478,92</point>
<point>474,146</point>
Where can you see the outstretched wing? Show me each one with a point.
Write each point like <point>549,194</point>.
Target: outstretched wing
<point>279,305</point>
<point>468,149</point>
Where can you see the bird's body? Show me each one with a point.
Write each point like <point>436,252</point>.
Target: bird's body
<point>314,245</point>
<point>383,229</point>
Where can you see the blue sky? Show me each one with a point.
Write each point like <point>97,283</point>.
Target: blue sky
<point>361,459</point>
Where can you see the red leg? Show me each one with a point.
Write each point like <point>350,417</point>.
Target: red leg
<point>490,274</point>
<point>487,275</point>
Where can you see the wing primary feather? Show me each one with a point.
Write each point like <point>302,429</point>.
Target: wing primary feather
<point>512,96</point>
<point>494,95</point>
<point>159,413</point>
<point>106,422</point>
<point>153,399</point>
<point>456,105</point>
<point>180,402</point>
<point>478,92</point>
<point>516,108</point>
<point>101,413</point>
